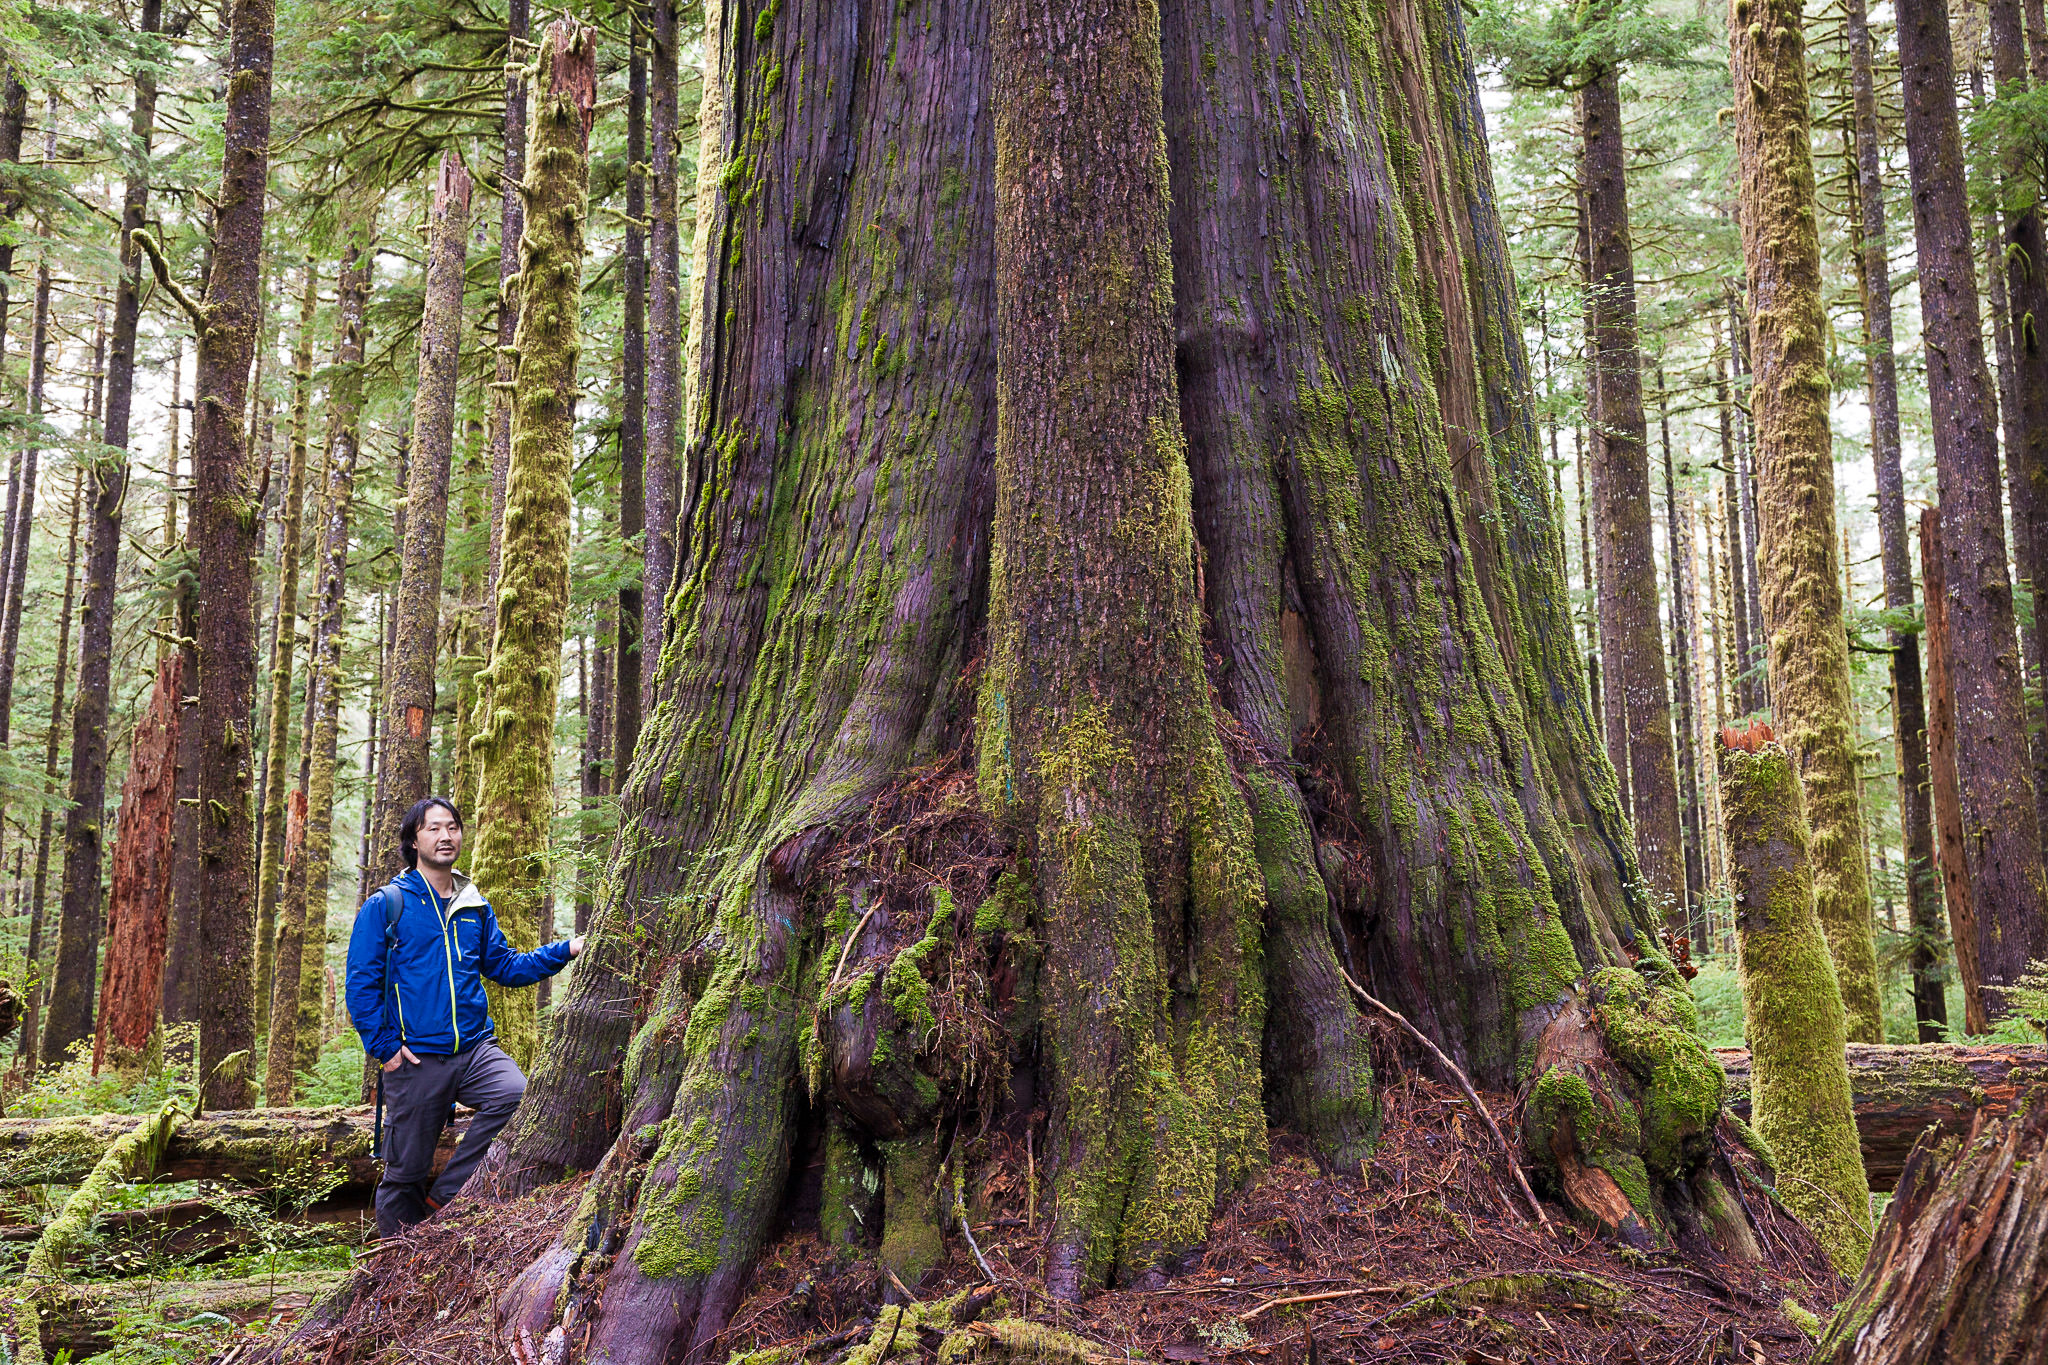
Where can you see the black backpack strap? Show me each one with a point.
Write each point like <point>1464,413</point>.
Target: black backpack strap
<point>393,897</point>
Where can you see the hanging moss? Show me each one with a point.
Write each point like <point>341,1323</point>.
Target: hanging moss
<point>515,748</point>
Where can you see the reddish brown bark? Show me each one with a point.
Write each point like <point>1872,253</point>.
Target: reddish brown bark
<point>139,902</point>
<point>405,751</point>
<point>1951,856</point>
<point>1997,795</point>
<point>1632,642</point>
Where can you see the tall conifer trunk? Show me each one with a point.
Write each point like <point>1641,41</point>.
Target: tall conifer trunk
<point>511,222</point>
<point>1800,560</point>
<point>625,701</point>
<point>2003,839</point>
<point>1632,644</point>
<point>71,990</point>
<point>1909,704</point>
<point>28,1044</point>
<point>403,767</point>
<point>295,1005</point>
<point>516,779</point>
<point>285,642</point>
<point>664,333</point>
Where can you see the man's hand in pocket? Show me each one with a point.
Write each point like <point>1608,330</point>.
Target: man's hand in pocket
<point>404,1054</point>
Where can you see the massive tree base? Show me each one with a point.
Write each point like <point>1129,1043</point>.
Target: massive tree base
<point>1423,1251</point>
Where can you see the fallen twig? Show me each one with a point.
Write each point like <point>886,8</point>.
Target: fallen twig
<point>1464,1083</point>
<point>1304,1298</point>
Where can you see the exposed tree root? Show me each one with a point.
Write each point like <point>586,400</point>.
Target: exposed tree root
<point>1418,1253</point>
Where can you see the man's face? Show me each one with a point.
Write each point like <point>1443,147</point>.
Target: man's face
<point>439,838</point>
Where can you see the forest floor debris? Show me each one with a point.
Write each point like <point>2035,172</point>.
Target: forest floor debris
<point>1423,1255</point>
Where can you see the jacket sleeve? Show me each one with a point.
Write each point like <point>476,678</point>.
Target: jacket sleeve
<point>365,992</point>
<point>507,968</point>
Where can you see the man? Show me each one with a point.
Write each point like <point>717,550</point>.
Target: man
<point>416,996</point>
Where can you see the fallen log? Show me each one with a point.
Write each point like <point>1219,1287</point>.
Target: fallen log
<point>1957,1274</point>
<point>82,1319</point>
<point>252,1146</point>
<point>192,1231</point>
<point>1899,1090</point>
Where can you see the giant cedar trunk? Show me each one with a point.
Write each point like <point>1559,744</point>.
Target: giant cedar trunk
<point>1392,739</point>
<point>625,701</point>
<point>139,904</point>
<point>71,990</point>
<point>663,499</point>
<point>1800,563</point>
<point>2003,843</point>
<point>402,772</point>
<point>1909,704</point>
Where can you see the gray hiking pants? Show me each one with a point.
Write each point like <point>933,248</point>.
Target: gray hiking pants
<point>416,1106</point>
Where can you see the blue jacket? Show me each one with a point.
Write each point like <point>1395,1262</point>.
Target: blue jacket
<point>433,998</point>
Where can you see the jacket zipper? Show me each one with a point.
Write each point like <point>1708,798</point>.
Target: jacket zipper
<point>448,960</point>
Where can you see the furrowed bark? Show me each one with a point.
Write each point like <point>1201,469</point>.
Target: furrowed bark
<point>404,756</point>
<point>515,749</point>
<point>1800,560</point>
<point>2003,843</point>
<point>284,645</point>
<point>1900,1091</point>
<point>1956,1273</point>
<point>1792,1008</point>
<point>664,339</point>
<point>1909,705</point>
<point>1944,779</point>
<point>224,516</point>
<point>177,633</point>
<point>1155,1108</point>
<point>625,701</point>
<point>1632,650</point>
<point>1678,539</point>
<point>139,907</point>
<point>71,992</point>
<point>2023,255</point>
<point>869,351</point>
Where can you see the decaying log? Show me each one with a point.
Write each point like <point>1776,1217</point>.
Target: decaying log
<point>254,1146</point>
<point>1899,1090</point>
<point>82,1319</point>
<point>1957,1273</point>
<point>196,1230</point>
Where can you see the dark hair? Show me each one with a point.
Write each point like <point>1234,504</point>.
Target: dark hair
<point>409,828</point>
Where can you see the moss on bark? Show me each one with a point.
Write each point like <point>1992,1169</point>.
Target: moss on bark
<point>1799,560</point>
<point>1792,1006</point>
<point>516,742</point>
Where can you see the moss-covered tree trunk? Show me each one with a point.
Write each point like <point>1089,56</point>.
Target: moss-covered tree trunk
<point>285,643</point>
<point>1800,560</point>
<point>405,751</point>
<point>2002,839</point>
<point>1387,763</point>
<point>1792,1007</point>
<point>295,1000</point>
<point>516,747</point>
<point>664,392</point>
<point>511,224</point>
